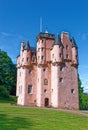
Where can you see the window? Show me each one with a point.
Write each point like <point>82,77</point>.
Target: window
<point>22,59</point>
<point>42,49</point>
<point>20,89</point>
<point>52,55</point>
<point>45,90</point>
<point>61,68</point>
<point>61,80</point>
<point>66,47</point>
<point>45,82</point>
<point>72,91</point>
<point>27,59</point>
<point>60,55</point>
<point>42,41</point>
<point>42,57</point>
<point>44,69</point>
<point>67,56</point>
<point>29,71</point>
<point>20,73</point>
<point>30,89</point>
<point>38,49</point>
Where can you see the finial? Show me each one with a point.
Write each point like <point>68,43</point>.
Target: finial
<point>41,24</point>
<point>46,30</point>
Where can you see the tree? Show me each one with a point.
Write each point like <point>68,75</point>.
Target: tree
<point>7,73</point>
<point>83,98</point>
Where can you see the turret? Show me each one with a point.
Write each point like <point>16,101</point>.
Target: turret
<point>26,56</point>
<point>74,52</point>
<point>57,51</point>
<point>44,44</point>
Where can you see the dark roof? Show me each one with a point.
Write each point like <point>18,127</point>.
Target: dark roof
<point>58,40</point>
<point>33,49</point>
<point>45,35</point>
<point>27,46</point>
<point>73,42</point>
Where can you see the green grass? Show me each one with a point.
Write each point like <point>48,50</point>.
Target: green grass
<point>22,118</point>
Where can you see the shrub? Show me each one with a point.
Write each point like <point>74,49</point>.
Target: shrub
<point>4,92</point>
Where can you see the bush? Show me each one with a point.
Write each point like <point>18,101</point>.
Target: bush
<point>4,92</point>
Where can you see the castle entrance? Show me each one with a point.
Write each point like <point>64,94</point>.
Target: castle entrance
<point>46,102</point>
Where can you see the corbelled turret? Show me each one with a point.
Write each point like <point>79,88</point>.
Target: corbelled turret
<point>56,53</point>
<point>74,52</point>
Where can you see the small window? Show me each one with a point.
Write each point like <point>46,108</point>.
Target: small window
<point>61,80</point>
<point>72,91</point>
<point>27,59</point>
<point>61,68</point>
<point>20,73</point>
<point>20,89</point>
<point>42,49</point>
<point>45,90</point>
<point>66,47</point>
<point>22,59</point>
<point>30,71</point>
<point>42,40</point>
<point>45,82</point>
<point>67,56</point>
<point>29,89</point>
<point>52,55</point>
<point>44,69</point>
<point>60,55</point>
<point>38,49</point>
<point>42,57</point>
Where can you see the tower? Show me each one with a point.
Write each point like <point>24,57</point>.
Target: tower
<point>56,58</point>
<point>44,45</point>
<point>23,63</point>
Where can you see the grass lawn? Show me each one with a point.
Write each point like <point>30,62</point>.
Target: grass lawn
<point>22,118</point>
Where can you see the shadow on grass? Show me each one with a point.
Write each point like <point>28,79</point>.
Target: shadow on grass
<point>14,123</point>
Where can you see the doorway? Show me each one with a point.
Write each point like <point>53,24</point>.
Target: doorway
<point>46,102</point>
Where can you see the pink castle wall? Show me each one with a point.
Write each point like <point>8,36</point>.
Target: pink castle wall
<point>47,89</point>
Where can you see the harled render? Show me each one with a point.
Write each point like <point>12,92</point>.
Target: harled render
<point>47,76</point>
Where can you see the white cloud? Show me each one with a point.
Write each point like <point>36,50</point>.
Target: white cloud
<point>6,34</point>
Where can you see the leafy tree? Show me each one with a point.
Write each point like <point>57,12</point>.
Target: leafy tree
<point>83,98</point>
<point>7,73</point>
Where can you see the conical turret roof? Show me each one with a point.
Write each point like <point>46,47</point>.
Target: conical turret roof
<point>27,46</point>
<point>58,40</point>
<point>73,42</point>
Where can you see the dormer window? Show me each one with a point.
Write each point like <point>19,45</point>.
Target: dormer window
<point>42,41</point>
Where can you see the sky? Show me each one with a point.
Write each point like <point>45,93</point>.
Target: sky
<point>20,21</point>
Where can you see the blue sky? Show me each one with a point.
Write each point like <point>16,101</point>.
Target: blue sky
<point>20,20</point>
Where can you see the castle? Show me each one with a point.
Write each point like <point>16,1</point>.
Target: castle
<point>47,76</point>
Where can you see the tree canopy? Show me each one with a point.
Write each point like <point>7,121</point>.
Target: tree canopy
<point>7,75</point>
<point>83,97</point>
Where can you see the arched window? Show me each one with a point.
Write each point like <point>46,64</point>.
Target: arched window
<point>45,82</point>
